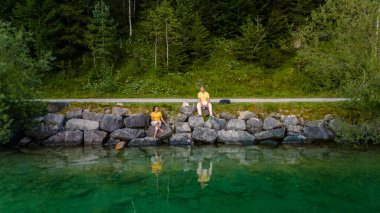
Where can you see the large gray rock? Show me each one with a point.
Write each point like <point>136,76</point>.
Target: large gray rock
<point>215,123</point>
<point>111,123</point>
<point>111,142</point>
<point>183,139</point>
<point>227,116</point>
<point>318,134</point>
<point>316,123</point>
<point>235,137</point>
<point>187,110</point>
<point>289,120</point>
<point>166,134</point>
<point>93,116</point>
<point>181,127</point>
<point>195,121</point>
<point>204,135</point>
<point>294,139</point>
<point>120,111</point>
<point>141,142</point>
<point>236,124</point>
<point>54,119</point>
<point>181,117</point>
<point>275,134</point>
<point>127,134</point>
<point>94,137</point>
<point>25,141</point>
<point>254,125</point>
<point>271,123</point>
<point>245,115</point>
<point>43,131</point>
<point>295,129</point>
<point>81,124</point>
<point>136,121</point>
<point>74,113</point>
<point>65,138</point>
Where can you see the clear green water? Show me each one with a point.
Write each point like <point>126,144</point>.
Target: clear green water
<point>244,179</point>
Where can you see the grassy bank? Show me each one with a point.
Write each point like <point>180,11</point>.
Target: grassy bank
<point>222,74</point>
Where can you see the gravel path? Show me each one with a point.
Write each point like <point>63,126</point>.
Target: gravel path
<point>180,100</point>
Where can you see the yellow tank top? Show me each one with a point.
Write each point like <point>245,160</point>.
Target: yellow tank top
<point>156,116</point>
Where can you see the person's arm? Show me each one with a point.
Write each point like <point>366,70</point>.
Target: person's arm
<point>210,169</point>
<point>163,121</point>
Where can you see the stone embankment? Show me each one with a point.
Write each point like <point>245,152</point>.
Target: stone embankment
<point>84,127</point>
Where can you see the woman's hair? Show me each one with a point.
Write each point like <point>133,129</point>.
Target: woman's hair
<point>154,108</point>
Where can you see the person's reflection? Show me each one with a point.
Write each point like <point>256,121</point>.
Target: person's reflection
<point>204,175</point>
<point>156,163</point>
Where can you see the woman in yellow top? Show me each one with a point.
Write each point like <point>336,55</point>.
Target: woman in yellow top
<point>204,175</point>
<point>157,120</point>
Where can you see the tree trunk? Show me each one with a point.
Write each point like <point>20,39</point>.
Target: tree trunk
<point>124,13</point>
<point>167,43</point>
<point>155,51</point>
<point>130,18</point>
<point>134,9</point>
<point>377,33</point>
<point>93,58</point>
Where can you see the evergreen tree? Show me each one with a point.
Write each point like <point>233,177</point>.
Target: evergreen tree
<point>199,40</point>
<point>101,36</point>
<point>340,47</point>
<point>251,42</point>
<point>56,28</point>
<point>164,30</point>
<point>18,75</point>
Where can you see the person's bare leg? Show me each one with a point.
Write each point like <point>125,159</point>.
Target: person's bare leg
<point>210,109</point>
<point>199,108</point>
<point>155,131</point>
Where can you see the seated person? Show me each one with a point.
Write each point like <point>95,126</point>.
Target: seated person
<point>204,101</point>
<point>204,175</point>
<point>157,120</point>
<point>156,163</point>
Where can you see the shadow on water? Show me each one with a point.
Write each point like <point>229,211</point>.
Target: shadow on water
<point>203,179</point>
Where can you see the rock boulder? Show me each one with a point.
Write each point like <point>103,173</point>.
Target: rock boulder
<point>183,139</point>
<point>195,121</point>
<point>254,125</point>
<point>204,135</point>
<point>65,138</point>
<point>94,137</point>
<point>236,124</point>
<point>111,123</point>
<point>271,123</point>
<point>245,115</point>
<point>142,142</point>
<point>127,134</point>
<point>274,134</point>
<point>235,137</point>
<point>137,121</point>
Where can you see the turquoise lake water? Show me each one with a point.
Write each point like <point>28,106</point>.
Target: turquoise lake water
<point>243,179</point>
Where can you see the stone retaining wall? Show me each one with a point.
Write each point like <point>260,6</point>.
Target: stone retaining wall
<point>83,127</point>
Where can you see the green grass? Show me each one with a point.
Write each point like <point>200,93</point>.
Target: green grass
<point>222,74</point>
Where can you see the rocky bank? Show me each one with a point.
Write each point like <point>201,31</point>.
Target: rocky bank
<point>78,127</point>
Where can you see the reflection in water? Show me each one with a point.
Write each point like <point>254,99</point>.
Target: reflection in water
<point>204,175</point>
<point>156,163</point>
<point>162,179</point>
